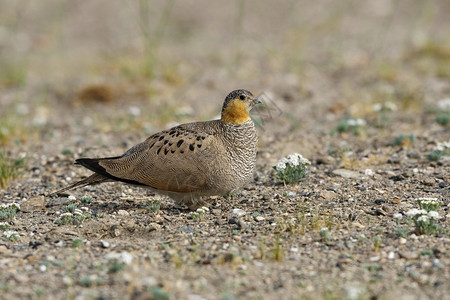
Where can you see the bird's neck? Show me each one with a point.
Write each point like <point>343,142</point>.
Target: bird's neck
<point>236,112</point>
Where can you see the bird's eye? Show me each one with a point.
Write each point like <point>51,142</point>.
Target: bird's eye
<point>242,97</point>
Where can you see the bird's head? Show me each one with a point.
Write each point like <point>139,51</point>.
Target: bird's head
<point>237,106</point>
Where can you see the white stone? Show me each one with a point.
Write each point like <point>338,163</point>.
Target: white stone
<point>105,244</point>
<point>259,218</point>
<point>237,212</point>
<point>124,257</point>
<point>347,173</point>
<point>122,212</point>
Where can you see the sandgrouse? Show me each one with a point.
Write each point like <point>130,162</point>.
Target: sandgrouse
<point>190,161</point>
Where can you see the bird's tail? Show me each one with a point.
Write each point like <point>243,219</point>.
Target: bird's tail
<point>91,180</point>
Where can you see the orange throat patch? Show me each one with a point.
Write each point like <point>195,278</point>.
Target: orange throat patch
<point>236,112</point>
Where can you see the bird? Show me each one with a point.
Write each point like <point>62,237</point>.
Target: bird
<point>189,162</point>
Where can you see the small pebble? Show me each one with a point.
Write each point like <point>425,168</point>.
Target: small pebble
<point>237,212</point>
<point>232,221</point>
<point>349,245</point>
<point>429,181</point>
<point>134,111</point>
<point>67,280</point>
<point>391,255</point>
<point>187,229</point>
<point>122,212</point>
<point>368,172</point>
<point>346,173</point>
<point>409,255</point>
<point>379,201</point>
<point>105,244</point>
<point>437,264</point>
<point>154,226</point>
<point>259,218</point>
<point>115,231</point>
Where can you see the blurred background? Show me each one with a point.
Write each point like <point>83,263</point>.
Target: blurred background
<point>140,66</point>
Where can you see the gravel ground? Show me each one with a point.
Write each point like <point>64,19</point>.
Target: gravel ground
<point>81,87</point>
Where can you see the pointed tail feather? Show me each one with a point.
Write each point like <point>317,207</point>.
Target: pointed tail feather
<point>91,180</point>
<point>93,164</point>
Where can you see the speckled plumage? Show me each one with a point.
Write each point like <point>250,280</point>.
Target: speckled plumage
<point>190,161</point>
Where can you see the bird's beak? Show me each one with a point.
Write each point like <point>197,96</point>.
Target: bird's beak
<point>257,101</point>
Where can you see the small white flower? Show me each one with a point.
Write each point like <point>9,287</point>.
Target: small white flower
<point>84,208</point>
<point>426,199</point>
<point>423,218</point>
<point>397,216</point>
<point>444,104</point>
<point>293,160</point>
<point>351,122</point>
<point>324,229</point>
<point>67,214</point>
<point>412,212</point>
<point>124,257</point>
<point>280,166</point>
<point>11,234</point>
<point>284,160</point>
<point>433,214</point>
<point>377,107</point>
<point>305,161</point>
<point>415,211</point>
<point>6,205</point>
<point>360,122</point>
<point>71,198</point>
<point>390,106</point>
<point>443,146</point>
